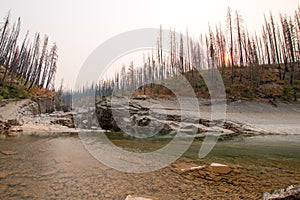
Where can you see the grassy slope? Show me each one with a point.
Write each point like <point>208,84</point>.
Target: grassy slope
<point>15,89</point>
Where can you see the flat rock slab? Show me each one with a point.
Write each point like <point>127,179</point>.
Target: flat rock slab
<point>8,152</point>
<point>129,197</point>
<point>49,173</point>
<point>181,166</point>
<point>185,167</point>
<point>219,168</point>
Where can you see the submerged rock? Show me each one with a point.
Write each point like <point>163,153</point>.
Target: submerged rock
<point>129,197</point>
<point>4,174</point>
<point>220,168</point>
<point>8,152</point>
<point>183,167</point>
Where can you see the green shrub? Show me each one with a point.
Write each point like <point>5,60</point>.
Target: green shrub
<point>228,90</point>
<point>200,84</point>
<point>296,82</point>
<point>4,92</point>
<point>11,92</point>
<point>250,94</point>
<point>288,93</point>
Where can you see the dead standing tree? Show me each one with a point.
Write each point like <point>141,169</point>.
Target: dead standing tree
<point>240,33</point>
<point>230,27</point>
<point>52,66</point>
<point>26,63</point>
<point>10,49</point>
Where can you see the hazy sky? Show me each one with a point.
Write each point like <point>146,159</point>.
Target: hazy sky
<point>79,26</point>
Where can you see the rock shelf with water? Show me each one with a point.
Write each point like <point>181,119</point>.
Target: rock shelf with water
<point>248,118</point>
<point>154,115</point>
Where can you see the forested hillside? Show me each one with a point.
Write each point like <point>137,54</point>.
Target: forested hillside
<point>253,65</point>
<point>25,66</point>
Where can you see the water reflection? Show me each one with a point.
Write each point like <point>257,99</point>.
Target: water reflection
<point>59,167</point>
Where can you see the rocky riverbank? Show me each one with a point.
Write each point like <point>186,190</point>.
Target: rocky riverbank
<point>290,193</point>
<point>150,115</point>
<point>30,117</point>
<point>166,115</point>
<point>239,176</point>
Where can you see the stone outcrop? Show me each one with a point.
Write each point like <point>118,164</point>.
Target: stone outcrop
<point>290,193</point>
<point>46,105</point>
<point>30,109</point>
<point>141,115</point>
<point>64,119</point>
<point>105,116</point>
<point>28,116</point>
<point>150,115</point>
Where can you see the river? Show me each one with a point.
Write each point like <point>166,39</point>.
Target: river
<point>59,167</point>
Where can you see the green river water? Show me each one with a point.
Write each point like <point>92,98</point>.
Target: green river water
<point>59,167</point>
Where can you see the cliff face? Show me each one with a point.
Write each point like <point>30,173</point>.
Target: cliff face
<point>164,116</point>
<point>47,105</point>
<point>105,116</point>
<point>167,117</point>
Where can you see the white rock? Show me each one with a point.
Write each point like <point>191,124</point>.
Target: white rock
<point>129,197</point>
<point>218,165</point>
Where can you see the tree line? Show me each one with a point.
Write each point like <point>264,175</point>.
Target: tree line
<point>231,49</point>
<point>32,63</point>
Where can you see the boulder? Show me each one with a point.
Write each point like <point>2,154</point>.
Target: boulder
<point>105,117</point>
<point>15,122</point>
<point>64,122</point>
<point>140,97</point>
<point>144,121</point>
<point>46,105</point>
